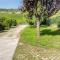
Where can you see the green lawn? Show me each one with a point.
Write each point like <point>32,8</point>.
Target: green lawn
<point>49,37</point>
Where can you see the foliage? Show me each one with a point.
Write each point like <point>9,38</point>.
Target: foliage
<point>55,18</point>
<point>8,19</point>
<point>31,21</point>
<point>20,17</point>
<point>28,36</point>
<point>39,7</point>
<point>6,23</point>
<point>12,22</point>
<point>2,19</point>
<point>58,24</point>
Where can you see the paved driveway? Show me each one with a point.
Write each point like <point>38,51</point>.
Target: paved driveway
<point>8,42</point>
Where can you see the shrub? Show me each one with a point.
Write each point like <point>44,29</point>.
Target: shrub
<point>59,24</point>
<point>11,22</point>
<point>7,23</point>
<point>14,22</point>
<point>31,23</point>
<point>46,22</point>
<point>2,20</point>
<point>1,27</point>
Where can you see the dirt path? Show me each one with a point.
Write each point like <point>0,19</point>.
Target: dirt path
<point>8,42</point>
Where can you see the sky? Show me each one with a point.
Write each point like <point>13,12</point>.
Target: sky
<point>10,3</point>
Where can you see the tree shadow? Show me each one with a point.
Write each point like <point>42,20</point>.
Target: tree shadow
<point>49,32</point>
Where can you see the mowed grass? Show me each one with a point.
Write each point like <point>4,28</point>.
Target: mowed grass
<point>49,37</point>
<point>19,17</point>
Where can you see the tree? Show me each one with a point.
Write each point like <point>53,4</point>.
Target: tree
<point>38,8</point>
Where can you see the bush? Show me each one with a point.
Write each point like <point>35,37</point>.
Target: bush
<point>46,22</point>
<point>31,23</point>
<point>1,27</point>
<point>59,24</point>
<point>6,23</point>
<point>10,23</point>
<point>2,20</point>
<point>14,22</point>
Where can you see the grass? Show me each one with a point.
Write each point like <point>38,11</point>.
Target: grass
<point>29,36</point>
<point>28,46</point>
<point>50,37</point>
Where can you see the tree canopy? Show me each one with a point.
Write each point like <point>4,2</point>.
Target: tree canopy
<point>51,6</point>
<point>41,8</point>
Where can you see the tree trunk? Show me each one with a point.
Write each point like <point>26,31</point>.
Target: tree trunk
<point>38,28</point>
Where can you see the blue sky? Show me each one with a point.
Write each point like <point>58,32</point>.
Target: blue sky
<point>10,3</point>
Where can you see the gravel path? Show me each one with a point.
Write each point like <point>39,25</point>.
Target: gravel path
<point>8,42</point>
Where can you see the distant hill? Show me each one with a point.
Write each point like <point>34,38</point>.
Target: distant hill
<point>9,10</point>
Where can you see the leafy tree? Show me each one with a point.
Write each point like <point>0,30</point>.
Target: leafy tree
<point>38,8</point>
